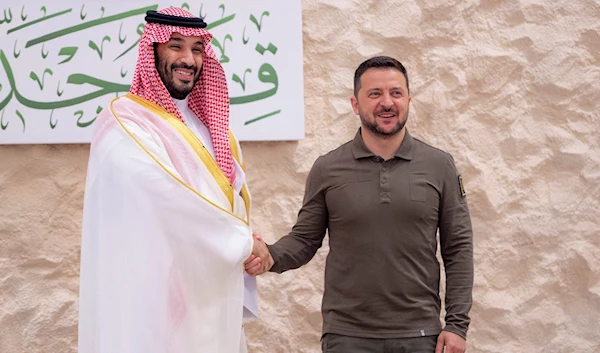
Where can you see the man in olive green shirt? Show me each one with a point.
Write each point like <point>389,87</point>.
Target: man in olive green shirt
<point>382,197</point>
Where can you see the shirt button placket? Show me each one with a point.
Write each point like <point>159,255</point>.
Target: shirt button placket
<point>384,184</point>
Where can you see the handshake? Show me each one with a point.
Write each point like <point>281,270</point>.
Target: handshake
<point>260,261</point>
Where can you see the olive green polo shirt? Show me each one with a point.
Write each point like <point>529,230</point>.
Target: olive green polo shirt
<point>382,275</point>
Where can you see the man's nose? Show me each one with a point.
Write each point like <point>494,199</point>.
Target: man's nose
<point>187,58</point>
<point>386,101</point>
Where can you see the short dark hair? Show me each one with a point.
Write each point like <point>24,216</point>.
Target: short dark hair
<point>382,62</point>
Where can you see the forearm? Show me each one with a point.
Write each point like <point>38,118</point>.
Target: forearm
<point>293,251</point>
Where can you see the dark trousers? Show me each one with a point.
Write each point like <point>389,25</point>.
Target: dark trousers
<point>333,343</point>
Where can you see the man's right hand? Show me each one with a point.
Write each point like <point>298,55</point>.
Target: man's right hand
<point>261,260</point>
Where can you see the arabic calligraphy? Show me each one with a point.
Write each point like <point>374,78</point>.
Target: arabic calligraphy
<point>78,44</point>
<point>258,23</point>
<point>39,20</point>
<point>77,79</point>
<point>7,19</point>
<point>266,74</point>
<point>95,47</point>
<point>90,24</point>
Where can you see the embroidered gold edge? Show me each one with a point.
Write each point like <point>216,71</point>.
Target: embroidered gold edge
<point>196,145</point>
<point>150,104</point>
<point>236,154</point>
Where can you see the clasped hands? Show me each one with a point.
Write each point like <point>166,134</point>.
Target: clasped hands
<point>260,261</point>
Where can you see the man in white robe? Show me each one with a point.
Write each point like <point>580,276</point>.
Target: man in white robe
<point>166,224</point>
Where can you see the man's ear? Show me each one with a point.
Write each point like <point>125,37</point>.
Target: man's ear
<point>354,103</point>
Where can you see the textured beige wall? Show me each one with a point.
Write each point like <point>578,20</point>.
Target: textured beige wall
<point>510,88</point>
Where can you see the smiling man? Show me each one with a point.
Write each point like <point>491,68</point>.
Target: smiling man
<point>179,76</point>
<point>382,198</point>
<point>166,227</point>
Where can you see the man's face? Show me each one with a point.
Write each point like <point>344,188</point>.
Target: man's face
<point>382,101</point>
<point>179,64</point>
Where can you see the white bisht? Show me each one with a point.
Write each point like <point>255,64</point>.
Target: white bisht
<point>164,239</point>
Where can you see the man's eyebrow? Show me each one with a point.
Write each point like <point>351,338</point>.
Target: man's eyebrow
<point>376,89</point>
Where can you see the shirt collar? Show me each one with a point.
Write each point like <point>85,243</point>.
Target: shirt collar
<point>182,104</point>
<point>360,150</point>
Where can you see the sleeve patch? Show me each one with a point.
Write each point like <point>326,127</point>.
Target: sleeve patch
<point>461,187</point>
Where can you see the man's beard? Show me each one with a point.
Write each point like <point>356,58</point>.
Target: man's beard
<point>177,91</point>
<point>377,130</point>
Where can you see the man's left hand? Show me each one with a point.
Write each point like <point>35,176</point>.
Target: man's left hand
<point>453,343</point>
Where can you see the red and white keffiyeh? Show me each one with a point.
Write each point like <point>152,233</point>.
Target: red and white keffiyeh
<point>209,99</point>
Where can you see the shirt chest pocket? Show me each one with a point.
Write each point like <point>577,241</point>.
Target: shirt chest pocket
<point>418,187</point>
